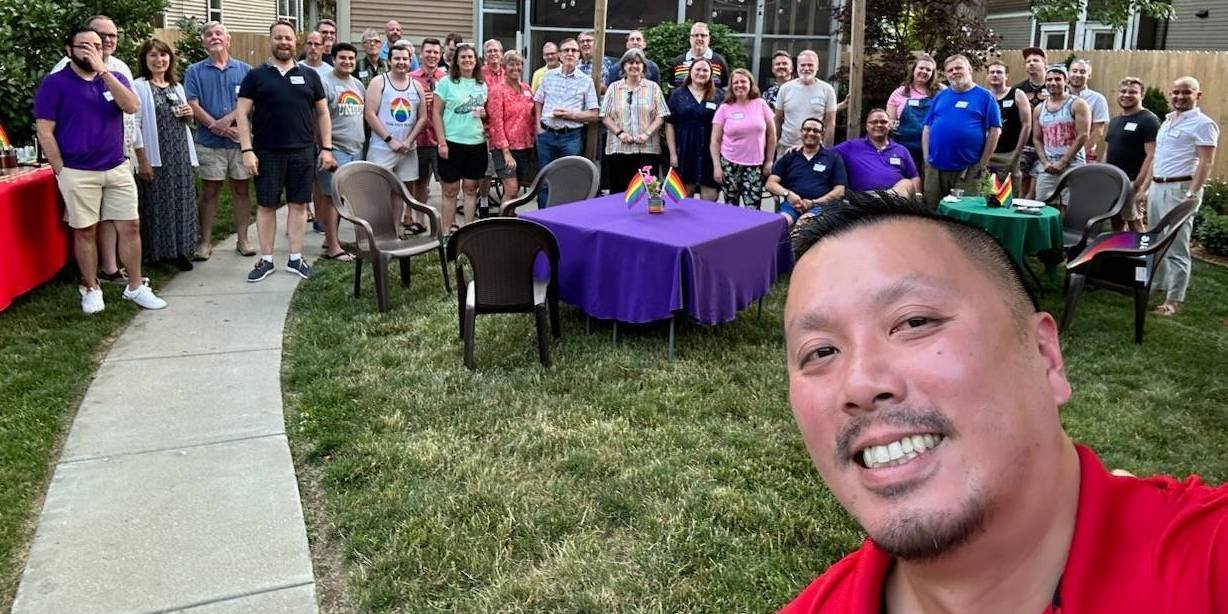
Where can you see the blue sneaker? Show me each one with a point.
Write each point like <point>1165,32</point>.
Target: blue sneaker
<point>299,267</point>
<point>263,269</point>
<point>317,226</point>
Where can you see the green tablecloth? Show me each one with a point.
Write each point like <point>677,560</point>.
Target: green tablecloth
<point>1020,233</point>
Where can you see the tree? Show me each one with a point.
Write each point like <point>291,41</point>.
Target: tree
<point>897,29</point>
<point>32,41</point>
<point>1115,13</point>
<point>667,40</point>
<point>190,48</point>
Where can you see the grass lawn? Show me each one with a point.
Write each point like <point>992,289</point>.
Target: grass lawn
<point>616,481</point>
<point>49,352</point>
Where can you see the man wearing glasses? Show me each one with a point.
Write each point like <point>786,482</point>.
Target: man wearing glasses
<point>328,33</point>
<point>700,37</point>
<point>564,103</point>
<point>372,64</point>
<point>107,236</point>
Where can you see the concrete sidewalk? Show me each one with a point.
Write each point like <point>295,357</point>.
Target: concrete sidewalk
<point>175,489</point>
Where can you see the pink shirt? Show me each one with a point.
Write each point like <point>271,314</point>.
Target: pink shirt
<point>510,113</point>
<point>745,127</point>
<point>898,97</point>
<point>426,138</point>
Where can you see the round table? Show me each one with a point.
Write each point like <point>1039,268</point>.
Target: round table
<point>1020,233</point>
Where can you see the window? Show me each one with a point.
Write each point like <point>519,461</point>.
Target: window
<point>287,10</point>
<point>1101,37</point>
<point>797,18</point>
<point>739,15</point>
<point>1055,36</point>
<point>215,10</point>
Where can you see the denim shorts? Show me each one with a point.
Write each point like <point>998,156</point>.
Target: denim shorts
<point>326,177</point>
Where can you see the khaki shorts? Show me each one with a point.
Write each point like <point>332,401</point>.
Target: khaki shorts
<point>217,164</point>
<point>93,196</point>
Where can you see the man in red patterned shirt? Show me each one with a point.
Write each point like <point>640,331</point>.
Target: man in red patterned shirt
<point>928,399</point>
<point>427,75</point>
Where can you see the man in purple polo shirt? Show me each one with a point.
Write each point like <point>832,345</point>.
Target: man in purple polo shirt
<point>878,163</point>
<point>79,116</point>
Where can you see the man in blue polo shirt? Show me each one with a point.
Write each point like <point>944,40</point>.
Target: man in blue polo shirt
<point>878,163</point>
<point>281,110</point>
<point>212,89</point>
<point>960,134</point>
<point>807,178</point>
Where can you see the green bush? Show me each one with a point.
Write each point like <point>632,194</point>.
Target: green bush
<point>668,40</point>
<point>1215,196</point>
<point>1154,101</point>
<point>32,41</point>
<point>1213,234</point>
<point>190,48</point>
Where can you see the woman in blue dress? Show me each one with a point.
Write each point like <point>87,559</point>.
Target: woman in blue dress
<point>688,129</point>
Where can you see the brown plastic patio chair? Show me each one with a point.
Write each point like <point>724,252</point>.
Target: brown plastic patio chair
<point>501,253</point>
<point>374,200</point>
<point>1125,262</point>
<point>569,179</point>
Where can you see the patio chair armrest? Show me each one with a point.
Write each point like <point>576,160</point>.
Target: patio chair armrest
<point>347,213</point>
<point>432,216</point>
<point>508,209</point>
<point>1120,243</point>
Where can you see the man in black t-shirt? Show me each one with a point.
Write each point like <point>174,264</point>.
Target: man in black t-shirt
<point>288,110</point>
<point>1131,143</point>
<point>1035,62</point>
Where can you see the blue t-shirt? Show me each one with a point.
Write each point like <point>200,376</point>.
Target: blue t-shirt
<point>958,122</point>
<point>216,90</point>
<point>811,178</point>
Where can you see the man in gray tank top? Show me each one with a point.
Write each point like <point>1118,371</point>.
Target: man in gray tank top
<point>1059,132</point>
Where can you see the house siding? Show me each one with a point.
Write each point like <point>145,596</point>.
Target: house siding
<point>238,15</point>
<point>1186,31</point>
<point>1016,32</point>
<point>993,7</point>
<point>419,19</point>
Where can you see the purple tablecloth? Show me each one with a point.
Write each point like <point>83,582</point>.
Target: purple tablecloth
<point>627,265</point>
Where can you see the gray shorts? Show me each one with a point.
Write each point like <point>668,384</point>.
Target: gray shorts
<point>524,165</point>
<point>428,162</point>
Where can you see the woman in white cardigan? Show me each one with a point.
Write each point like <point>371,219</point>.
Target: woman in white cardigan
<point>164,164</point>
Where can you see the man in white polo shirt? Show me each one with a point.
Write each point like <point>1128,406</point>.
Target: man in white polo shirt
<point>1185,151</point>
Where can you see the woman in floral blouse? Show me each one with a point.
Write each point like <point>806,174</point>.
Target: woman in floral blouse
<point>633,111</point>
<point>512,131</point>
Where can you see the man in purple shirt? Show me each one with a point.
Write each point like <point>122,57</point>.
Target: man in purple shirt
<point>877,163</point>
<point>79,117</point>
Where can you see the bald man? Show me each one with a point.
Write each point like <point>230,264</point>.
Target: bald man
<point>1184,154</point>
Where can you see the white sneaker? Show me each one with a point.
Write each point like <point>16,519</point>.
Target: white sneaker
<point>91,299</point>
<point>144,297</point>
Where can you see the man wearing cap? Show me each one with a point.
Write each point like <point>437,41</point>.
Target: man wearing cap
<point>1033,87</point>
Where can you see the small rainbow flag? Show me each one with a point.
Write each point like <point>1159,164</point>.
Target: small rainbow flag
<point>1121,241</point>
<point>1002,191</point>
<point>674,186</point>
<point>635,189</point>
<point>4,139</point>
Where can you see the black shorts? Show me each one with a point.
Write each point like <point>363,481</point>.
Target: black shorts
<point>463,162</point>
<point>524,165</point>
<point>428,163</point>
<point>290,169</point>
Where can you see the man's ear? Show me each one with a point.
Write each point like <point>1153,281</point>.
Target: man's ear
<point>1050,351</point>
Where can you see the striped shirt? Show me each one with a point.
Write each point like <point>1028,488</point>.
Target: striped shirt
<point>634,110</point>
<point>574,92</point>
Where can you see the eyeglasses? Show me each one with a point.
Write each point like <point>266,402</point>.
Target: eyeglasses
<point>700,35</point>
<point>108,36</point>
<point>313,44</point>
<point>570,50</point>
<point>88,46</point>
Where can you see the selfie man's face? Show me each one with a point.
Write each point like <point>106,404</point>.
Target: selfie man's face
<point>924,399</point>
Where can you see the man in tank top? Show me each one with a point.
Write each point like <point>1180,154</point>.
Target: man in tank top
<point>394,114</point>
<point>1016,123</point>
<point>1059,132</point>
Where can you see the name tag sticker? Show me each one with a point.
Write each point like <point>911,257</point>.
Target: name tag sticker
<point>819,168</point>
<point>107,96</point>
<point>963,104</point>
<point>527,93</point>
<point>739,115</point>
<point>362,74</point>
<point>914,103</point>
<point>816,100</point>
<point>1006,104</point>
<point>172,96</point>
<point>1130,127</point>
<point>895,161</point>
<point>711,105</point>
<point>296,80</point>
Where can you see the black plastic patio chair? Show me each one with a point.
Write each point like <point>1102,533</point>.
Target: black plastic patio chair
<point>501,253</point>
<point>569,179</point>
<point>1125,262</point>
<point>1097,193</point>
<point>374,200</point>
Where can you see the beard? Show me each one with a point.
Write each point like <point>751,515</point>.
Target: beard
<point>82,63</point>
<point>917,537</point>
<point>282,54</point>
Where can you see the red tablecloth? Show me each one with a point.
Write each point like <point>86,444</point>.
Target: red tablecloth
<point>34,240</point>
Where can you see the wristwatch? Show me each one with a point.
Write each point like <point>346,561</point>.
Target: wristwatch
<point>388,138</point>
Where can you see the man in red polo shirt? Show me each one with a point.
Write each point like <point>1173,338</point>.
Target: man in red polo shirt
<point>928,399</point>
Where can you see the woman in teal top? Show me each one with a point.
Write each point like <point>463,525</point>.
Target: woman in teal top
<point>459,117</point>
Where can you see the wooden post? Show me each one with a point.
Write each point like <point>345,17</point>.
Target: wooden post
<point>857,54</point>
<point>599,10</point>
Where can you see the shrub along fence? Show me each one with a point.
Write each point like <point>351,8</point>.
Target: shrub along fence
<point>1156,69</point>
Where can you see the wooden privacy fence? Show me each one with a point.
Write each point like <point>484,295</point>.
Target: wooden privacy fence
<point>251,47</point>
<point>1156,69</point>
